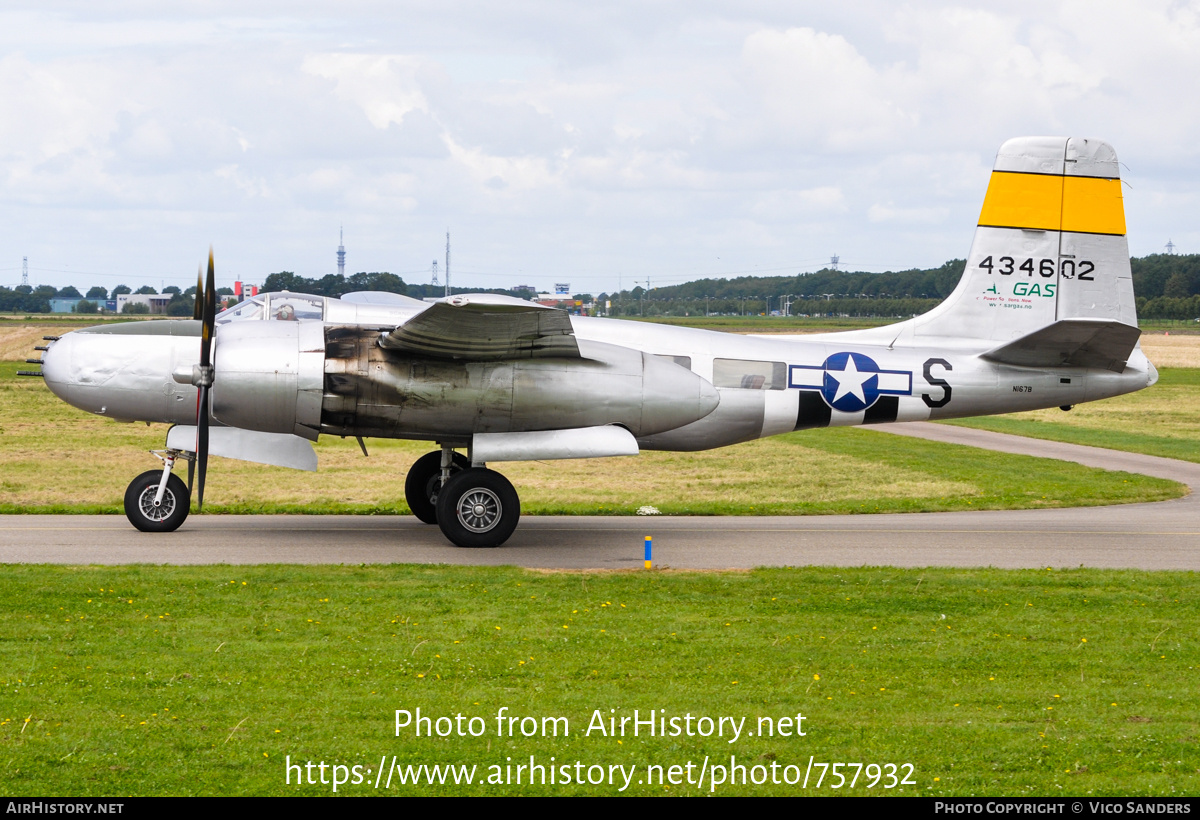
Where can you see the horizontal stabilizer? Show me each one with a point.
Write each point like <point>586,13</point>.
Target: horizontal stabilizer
<point>484,326</point>
<point>545,445</point>
<point>277,449</point>
<point>1071,343</point>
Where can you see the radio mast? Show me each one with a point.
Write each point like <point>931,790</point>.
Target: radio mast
<point>341,254</point>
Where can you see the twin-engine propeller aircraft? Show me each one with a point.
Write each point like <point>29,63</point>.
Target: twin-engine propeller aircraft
<point>1042,317</point>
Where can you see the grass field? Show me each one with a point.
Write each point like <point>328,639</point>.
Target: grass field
<point>1163,420</point>
<point>204,680</point>
<point>54,458</point>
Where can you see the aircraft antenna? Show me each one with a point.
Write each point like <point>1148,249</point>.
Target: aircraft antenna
<point>1170,246</point>
<point>341,254</point>
<point>447,263</point>
<point>434,281</point>
<point>25,271</point>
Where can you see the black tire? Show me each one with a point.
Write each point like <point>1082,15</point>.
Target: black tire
<point>478,508</point>
<point>421,484</point>
<point>139,503</point>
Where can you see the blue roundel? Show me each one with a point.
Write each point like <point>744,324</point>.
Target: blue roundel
<point>851,382</point>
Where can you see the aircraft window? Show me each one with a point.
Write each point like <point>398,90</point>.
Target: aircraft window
<point>683,361</point>
<point>749,375</point>
<point>295,307</point>
<point>252,309</point>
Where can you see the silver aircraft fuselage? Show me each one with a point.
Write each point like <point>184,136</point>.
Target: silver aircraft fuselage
<point>673,388</point>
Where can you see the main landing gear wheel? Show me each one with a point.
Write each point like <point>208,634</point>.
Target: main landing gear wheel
<point>478,508</point>
<point>144,514</point>
<point>421,485</point>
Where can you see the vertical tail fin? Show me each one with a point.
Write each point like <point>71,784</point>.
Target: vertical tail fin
<point>1050,248</point>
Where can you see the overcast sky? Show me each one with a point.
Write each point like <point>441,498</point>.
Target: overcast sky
<point>599,144</point>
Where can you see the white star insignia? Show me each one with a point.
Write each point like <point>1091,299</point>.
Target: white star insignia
<point>850,381</point>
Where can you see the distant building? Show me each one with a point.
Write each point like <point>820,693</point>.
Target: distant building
<point>157,302</point>
<point>565,301</point>
<point>64,305</point>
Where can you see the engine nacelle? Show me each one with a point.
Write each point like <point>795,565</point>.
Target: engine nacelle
<point>371,391</point>
<point>269,376</point>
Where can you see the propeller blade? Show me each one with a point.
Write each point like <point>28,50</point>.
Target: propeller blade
<point>198,301</point>
<point>201,447</point>
<point>210,313</point>
<point>208,320</point>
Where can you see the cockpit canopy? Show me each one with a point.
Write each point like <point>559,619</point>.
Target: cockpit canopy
<point>375,307</point>
<point>283,306</point>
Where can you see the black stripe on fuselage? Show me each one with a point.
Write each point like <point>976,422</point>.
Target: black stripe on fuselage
<point>882,411</point>
<point>814,412</point>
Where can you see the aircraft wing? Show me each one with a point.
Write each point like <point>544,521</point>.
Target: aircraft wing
<point>1071,343</point>
<point>486,326</point>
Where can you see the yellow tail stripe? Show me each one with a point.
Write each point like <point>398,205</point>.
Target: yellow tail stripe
<point>1092,205</point>
<point>1049,202</point>
<point>1023,201</point>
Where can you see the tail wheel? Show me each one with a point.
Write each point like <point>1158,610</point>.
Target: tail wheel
<point>478,508</point>
<point>147,516</point>
<point>422,485</point>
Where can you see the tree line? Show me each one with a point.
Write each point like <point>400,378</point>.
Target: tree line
<point>1167,287</point>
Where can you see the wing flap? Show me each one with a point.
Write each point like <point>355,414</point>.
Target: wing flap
<point>276,449</point>
<point>486,327</point>
<point>1071,343</point>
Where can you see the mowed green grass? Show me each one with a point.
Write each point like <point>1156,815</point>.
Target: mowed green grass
<point>1163,420</point>
<point>204,680</point>
<point>54,458</point>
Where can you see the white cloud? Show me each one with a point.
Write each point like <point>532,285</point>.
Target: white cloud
<point>824,93</point>
<point>907,216</point>
<point>560,139</point>
<point>384,86</point>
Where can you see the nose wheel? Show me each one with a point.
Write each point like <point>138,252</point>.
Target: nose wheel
<point>478,508</point>
<point>152,511</point>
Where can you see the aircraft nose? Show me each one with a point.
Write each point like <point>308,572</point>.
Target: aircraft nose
<point>123,372</point>
<point>69,368</point>
<point>56,366</point>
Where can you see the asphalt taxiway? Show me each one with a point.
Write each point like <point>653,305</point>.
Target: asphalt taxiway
<point>1163,535</point>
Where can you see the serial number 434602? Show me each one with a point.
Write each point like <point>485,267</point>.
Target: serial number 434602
<point>1067,268</point>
